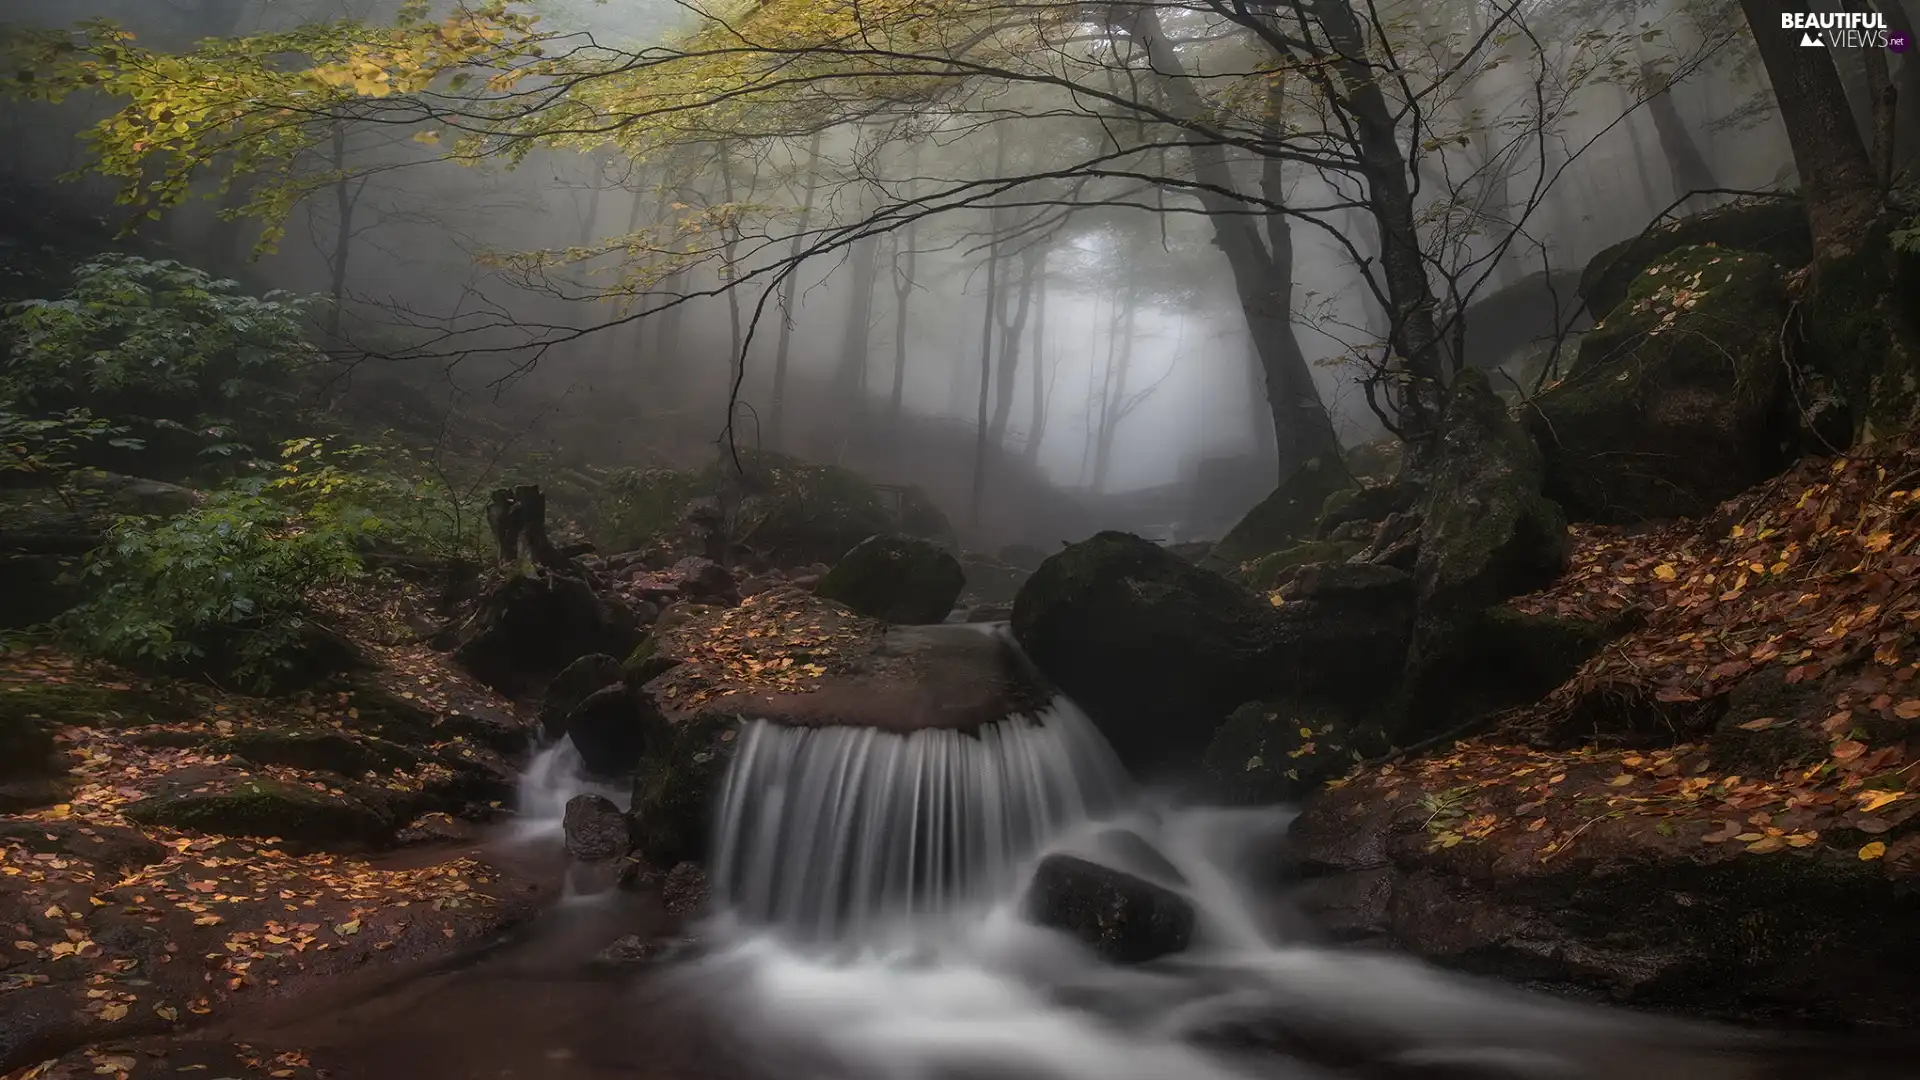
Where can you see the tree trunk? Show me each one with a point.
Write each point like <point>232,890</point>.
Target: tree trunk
<point>856,335</point>
<point>1906,81</point>
<point>1010,334</point>
<point>986,332</point>
<point>728,248</point>
<point>1835,173</point>
<point>904,257</point>
<point>777,407</point>
<point>346,196</point>
<point>1684,159</point>
<point>1113,392</point>
<point>1037,425</point>
<point>1262,278</point>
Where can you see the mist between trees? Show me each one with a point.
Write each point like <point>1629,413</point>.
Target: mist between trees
<point>999,249</point>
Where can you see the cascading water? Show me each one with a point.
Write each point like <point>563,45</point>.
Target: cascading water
<point>555,775</point>
<point>826,831</point>
<point>909,854</point>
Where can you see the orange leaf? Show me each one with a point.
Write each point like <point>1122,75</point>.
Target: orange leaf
<point>1872,851</point>
<point>1847,750</point>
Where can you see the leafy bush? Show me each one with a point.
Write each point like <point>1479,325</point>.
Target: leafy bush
<point>222,588</point>
<point>37,449</point>
<point>637,504</point>
<point>376,493</point>
<point>192,363</point>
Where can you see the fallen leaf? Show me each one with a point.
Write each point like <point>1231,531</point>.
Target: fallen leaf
<point>347,929</point>
<point>1872,851</point>
<point>113,1012</point>
<point>1665,572</point>
<point>1847,750</point>
<point>1908,709</point>
<point>1874,800</point>
<point>1761,724</point>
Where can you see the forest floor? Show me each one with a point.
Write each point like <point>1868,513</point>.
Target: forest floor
<point>114,932</point>
<point>1778,650</point>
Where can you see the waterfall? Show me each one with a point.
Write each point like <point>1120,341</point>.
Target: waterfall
<point>826,832</point>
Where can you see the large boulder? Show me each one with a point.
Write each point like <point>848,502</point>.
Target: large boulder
<point>1156,650</point>
<point>596,829</point>
<point>1487,533</point>
<point>574,684</point>
<point>530,627</point>
<point>611,729</point>
<point>1775,226</point>
<point>1673,403</point>
<point>1122,918</point>
<point>900,579</point>
<point>260,807</point>
<point>788,657</point>
<point>1283,518</point>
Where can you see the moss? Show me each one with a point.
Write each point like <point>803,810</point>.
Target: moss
<point>1672,403</point>
<point>1776,227</point>
<point>1861,335</point>
<point>315,748</point>
<point>676,784</point>
<point>1488,533</point>
<point>259,807</point>
<point>1267,572</point>
<point>81,704</point>
<point>1282,518</point>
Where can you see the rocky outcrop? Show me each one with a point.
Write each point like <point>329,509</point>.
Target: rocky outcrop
<point>1629,913</point>
<point>1155,649</point>
<point>1775,226</point>
<point>898,579</point>
<point>1122,918</point>
<point>1282,749</point>
<point>611,729</point>
<point>1673,403</point>
<point>530,627</point>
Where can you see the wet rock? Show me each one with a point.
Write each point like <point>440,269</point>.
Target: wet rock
<point>529,628</point>
<point>634,950</point>
<point>575,683</point>
<point>611,729</point>
<point>1771,724</point>
<point>1775,226</point>
<point>704,579</point>
<point>596,829</point>
<point>1673,403</point>
<point>74,518</point>
<point>1509,658</point>
<point>1630,913</point>
<point>1283,518</point>
<point>261,807</point>
<point>685,891</point>
<point>437,828</point>
<point>1277,751</point>
<point>1280,568</point>
<point>899,579</point>
<point>1124,919</point>
<point>1155,649</point>
<point>27,793</point>
<point>986,613</point>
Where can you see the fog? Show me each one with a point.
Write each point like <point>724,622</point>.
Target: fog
<point>601,280</point>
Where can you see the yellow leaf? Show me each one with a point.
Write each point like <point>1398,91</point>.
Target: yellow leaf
<point>1761,724</point>
<point>348,929</point>
<point>166,1012</point>
<point>1766,844</point>
<point>1872,851</point>
<point>1665,572</point>
<point>1746,837</point>
<point>113,1012</point>
<point>208,920</point>
<point>427,138</point>
<point>1908,709</point>
<point>1621,781</point>
<point>1874,800</point>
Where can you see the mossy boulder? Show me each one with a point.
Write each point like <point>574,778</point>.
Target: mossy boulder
<point>1858,313</point>
<point>259,807</point>
<point>1774,226</point>
<point>677,782</point>
<point>79,703</point>
<point>574,684</point>
<point>1487,533</point>
<point>900,579</point>
<point>74,516</point>
<point>1272,571</point>
<point>323,749</point>
<point>1282,749</point>
<point>1156,649</point>
<point>1673,403</point>
<point>1504,657</point>
<point>1283,518</point>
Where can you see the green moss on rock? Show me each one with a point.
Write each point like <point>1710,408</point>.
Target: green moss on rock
<point>674,789</point>
<point>1672,404</point>
<point>1860,324</point>
<point>1270,571</point>
<point>260,807</point>
<point>900,579</point>
<point>315,748</point>
<point>1775,226</point>
<point>1280,750</point>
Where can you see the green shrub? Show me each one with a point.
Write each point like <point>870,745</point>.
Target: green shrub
<point>222,588</point>
<point>196,367</point>
<point>378,494</point>
<point>44,448</point>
